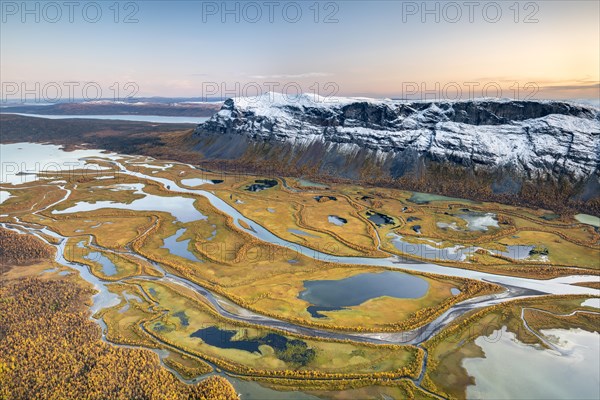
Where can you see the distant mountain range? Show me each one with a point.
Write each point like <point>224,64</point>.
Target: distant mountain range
<point>152,106</point>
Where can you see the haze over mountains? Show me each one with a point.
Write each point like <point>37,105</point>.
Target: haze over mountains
<point>142,106</point>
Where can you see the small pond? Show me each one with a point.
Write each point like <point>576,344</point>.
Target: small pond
<point>193,182</point>
<point>477,221</point>
<point>179,247</point>
<point>261,184</point>
<point>163,167</point>
<point>516,252</point>
<point>588,219</point>
<point>325,198</point>
<point>183,318</point>
<point>591,303</point>
<point>379,219</point>
<point>224,339</point>
<point>550,217</point>
<point>108,267</point>
<point>339,221</point>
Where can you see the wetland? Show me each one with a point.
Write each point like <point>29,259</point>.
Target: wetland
<point>204,275</point>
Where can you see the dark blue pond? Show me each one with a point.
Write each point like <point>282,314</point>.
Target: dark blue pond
<point>380,219</point>
<point>183,318</point>
<point>331,295</point>
<point>293,351</point>
<point>221,338</point>
<point>339,221</point>
<point>261,184</point>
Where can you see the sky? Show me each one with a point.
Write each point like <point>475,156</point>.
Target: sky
<point>399,49</point>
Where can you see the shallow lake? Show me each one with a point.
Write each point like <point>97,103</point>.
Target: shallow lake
<point>139,118</point>
<point>22,161</point>
<point>182,208</point>
<point>179,247</point>
<point>512,370</point>
<point>328,295</point>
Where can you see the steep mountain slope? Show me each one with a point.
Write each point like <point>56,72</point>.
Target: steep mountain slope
<point>351,137</point>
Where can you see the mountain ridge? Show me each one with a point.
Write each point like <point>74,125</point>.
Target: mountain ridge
<point>529,139</point>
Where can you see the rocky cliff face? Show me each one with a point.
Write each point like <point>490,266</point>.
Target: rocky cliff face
<point>528,139</point>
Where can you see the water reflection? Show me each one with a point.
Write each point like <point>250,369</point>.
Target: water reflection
<point>179,247</point>
<point>427,251</point>
<point>108,267</point>
<point>182,208</point>
<point>339,221</point>
<point>513,370</point>
<point>331,295</point>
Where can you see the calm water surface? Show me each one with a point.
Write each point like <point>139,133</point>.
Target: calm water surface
<point>513,370</point>
<point>139,118</point>
<point>359,288</point>
<point>180,247</point>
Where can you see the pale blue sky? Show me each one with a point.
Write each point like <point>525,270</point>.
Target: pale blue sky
<point>376,48</point>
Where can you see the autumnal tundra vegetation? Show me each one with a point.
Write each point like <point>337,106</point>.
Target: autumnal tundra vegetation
<point>18,248</point>
<point>49,348</point>
<point>188,294</point>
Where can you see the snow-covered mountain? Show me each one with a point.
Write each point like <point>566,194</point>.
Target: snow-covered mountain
<point>531,139</point>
